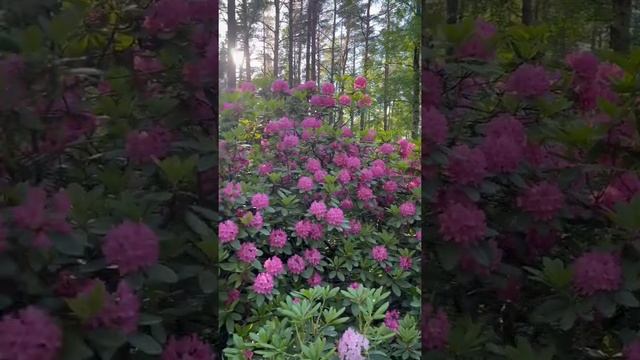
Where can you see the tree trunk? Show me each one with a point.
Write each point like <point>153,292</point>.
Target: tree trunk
<point>452,11</point>
<point>246,37</point>
<point>620,32</point>
<point>333,41</point>
<point>231,44</point>
<point>385,83</point>
<point>276,40</point>
<point>365,63</point>
<point>527,12</point>
<point>307,63</point>
<point>415,129</point>
<point>312,37</point>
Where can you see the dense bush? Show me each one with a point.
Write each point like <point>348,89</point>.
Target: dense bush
<point>305,204</point>
<point>533,199</point>
<point>103,128</point>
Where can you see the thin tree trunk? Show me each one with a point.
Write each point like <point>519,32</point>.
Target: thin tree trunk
<point>246,37</point>
<point>415,129</point>
<point>527,12</point>
<point>231,45</point>
<point>312,37</point>
<point>385,83</point>
<point>333,41</point>
<point>365,63</point>
<point>276,40</point>
<point>620,32</point>
<point>307,69</point>
<point>452,11</point>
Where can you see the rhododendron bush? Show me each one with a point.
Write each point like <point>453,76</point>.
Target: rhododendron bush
<point>532,195</point>
<point>105,123</point>
<point>308,204</point>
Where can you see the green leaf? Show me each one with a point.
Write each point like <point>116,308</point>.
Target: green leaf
<point>74,347</point>
<point>626,298</point>
<point>88,305</point>
<point>199,226</point>
<point>449,256</point>
<point>149,319</point>
<point>145,343</point>
<point>71,244</point>
<point>162,273</point>
<point>31,39</point>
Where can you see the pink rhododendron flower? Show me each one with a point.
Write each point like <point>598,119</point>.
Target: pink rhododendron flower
<point>186,348</point>
<point>386,149</point>
<point>346,132</point>
<point>247,252</point>
<point>257,221</point>
<point>280,86</point>
<point>318,209</point>
<point>405,148</point>
<point>528,81</point>
<point>305,183</point>
<point>346,204</point>
<point>296,264</point>
<point>303,229</point>
<point>29,334</point>
<point>263,284</point>
<point>344,100</point>
<point>354,227</point>
<point>274,266</point>
<point>260,201</point>
<point>391,319</point>
<point>166,16</point>
<point>379,253</point>
<point>365,102</point>
<point>313,256</point>
<point>595,272</point>
<point>334,216</point>
<point>390,186</point>
<point>131,247</point>
<point>584,64</point>
<point>354,285</point>
<point>328,89</point>
<point>419,235</point>
<point>316,232</point>
<point>265,169</point>
<point>121,310</point>
<point>351,345</point>
<point>405,263</point>
<point>360,83</point>
<point>319,176</point>
<point>365,193</point>
<point>315,280</point>
<point>435,328</point>
<point>143,146</point>
<point>434,126</point>
<point>407,209</point>
<point>462,224</point>
<point>313,165</point>
<point>233,296</point>
<point>344,176</point>
<point>543,200</point>
<point>247,87</point>
<point>147,64</point>
<point>316,100</point>
<point>232,191</point>
<point>227,231</point>
<point>289,142</point>
<point>278,239</point>
<point>478,45</point>
<point>311,123</point>
<point>467,166</point>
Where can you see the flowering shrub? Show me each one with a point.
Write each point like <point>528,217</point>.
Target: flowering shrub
<point>310,323</point>
<point>105,124</point>
<point>305,204</point>
<point>533,200</point>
